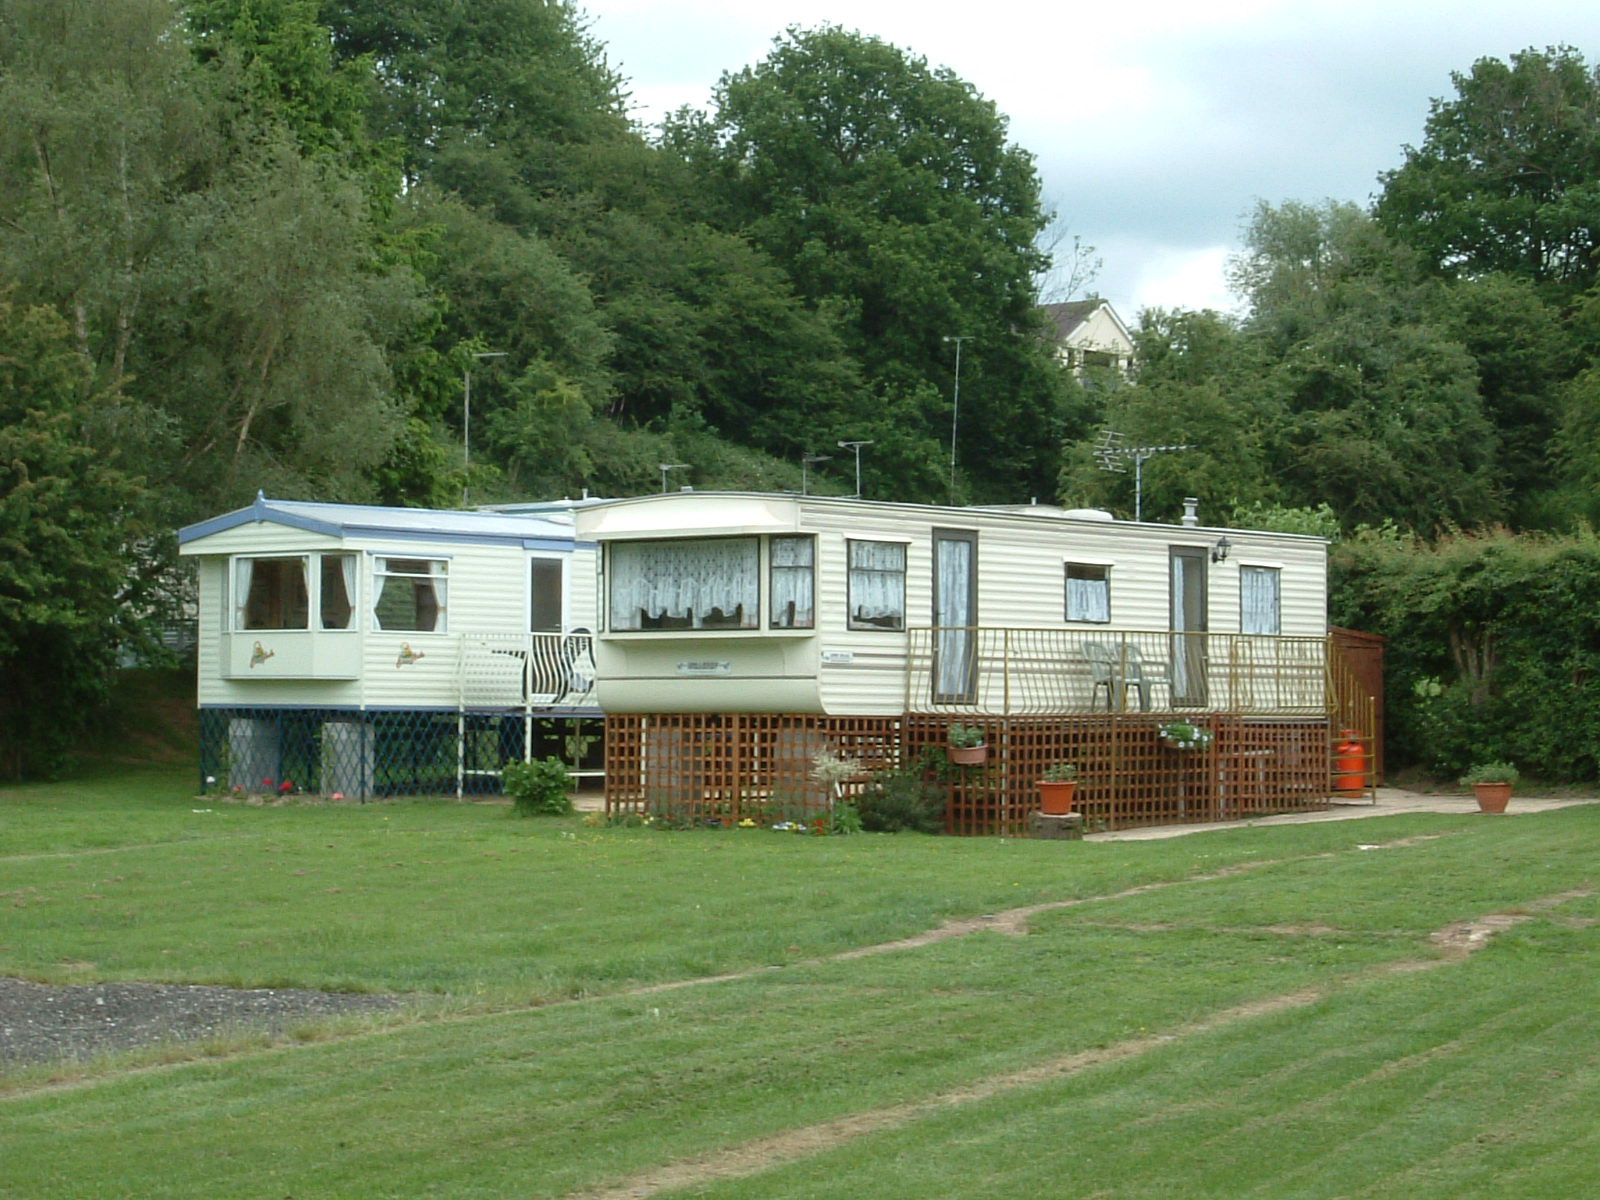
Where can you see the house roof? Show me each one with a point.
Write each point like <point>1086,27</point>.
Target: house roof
<point>1069,316</point>
<point>549,531</point>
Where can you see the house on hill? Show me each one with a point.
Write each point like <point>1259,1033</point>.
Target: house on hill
<point>1088,333</point>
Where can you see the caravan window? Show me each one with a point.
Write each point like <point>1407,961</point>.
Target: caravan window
<point>793,588</point>
<point>1259,600</point>
<point>410,593</point>
<point>1088,592</point>
<point>338,598</point>
<point>877,585</point>
<point>271,593</point>
<point>685,583</point>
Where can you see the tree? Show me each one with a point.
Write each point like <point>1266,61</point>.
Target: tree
<point>887,189</point>
<point>72,525</point>
<point>1507,177</point>
<point>1367,402</point>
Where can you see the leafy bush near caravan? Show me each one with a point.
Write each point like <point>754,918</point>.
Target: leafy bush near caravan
<point>902,801</point>
<point>1494,646</point>
<point>540,788</point>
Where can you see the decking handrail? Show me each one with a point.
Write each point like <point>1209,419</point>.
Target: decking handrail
<point>526,671</point>
<point>1018,671</point>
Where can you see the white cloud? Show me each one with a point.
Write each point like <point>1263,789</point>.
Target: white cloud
<point>1156,126</point>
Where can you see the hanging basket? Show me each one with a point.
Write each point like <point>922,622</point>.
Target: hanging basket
<point>968,756</point>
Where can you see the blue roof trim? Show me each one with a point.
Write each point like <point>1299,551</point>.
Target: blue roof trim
<point>346,521</point>
<point>254,515</point>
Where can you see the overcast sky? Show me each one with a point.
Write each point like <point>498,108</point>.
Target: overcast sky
<point>1156,126</point>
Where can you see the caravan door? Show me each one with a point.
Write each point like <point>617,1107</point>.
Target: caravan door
<point>1188,600</point>
<point>955,616</point>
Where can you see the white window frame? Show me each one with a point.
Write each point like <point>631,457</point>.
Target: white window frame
<point>437,572</point>
<point>792,583</point>
<point>350,573</point>
<point>242,580</point>
<point>651,586</point>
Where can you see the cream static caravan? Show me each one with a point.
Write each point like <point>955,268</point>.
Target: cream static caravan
<point>740,603</point>
<point>365,649</point>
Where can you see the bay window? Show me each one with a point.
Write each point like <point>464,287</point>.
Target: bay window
<point>793,582</point>
<point>685,583</point>
<point>271,593</point>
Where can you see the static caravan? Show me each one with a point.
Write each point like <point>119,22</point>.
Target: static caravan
<point>817,616</point>
<point>365,650</point>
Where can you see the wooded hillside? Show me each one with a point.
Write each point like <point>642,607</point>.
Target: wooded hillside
<point>262,244</point>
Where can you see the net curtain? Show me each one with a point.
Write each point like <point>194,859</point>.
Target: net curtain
<point>1088,599</point>
<point>1258,599</point>
<point>684,581</point>
<point>878,583</point>
<point>792,574</point>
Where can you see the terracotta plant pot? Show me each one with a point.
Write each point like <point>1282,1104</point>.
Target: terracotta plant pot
<point>968,756</point>
<point>1492,797</point>
<point>1055,797</point>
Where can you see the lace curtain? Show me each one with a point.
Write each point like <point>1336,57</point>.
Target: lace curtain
<point>685,584</point>
<point>877,585</point>
<point>793,589</point>
<point>1088,593</point>
<point>1258,600</point>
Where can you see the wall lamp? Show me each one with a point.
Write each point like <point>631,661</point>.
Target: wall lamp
<point>1220,550</point>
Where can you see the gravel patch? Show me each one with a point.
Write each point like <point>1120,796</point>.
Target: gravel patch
<point>41,1023</point>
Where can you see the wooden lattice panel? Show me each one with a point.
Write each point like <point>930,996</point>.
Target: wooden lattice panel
<point>724,767</point>
<point>728,766</point>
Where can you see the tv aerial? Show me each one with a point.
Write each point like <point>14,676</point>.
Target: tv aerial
<point>1114,454</point>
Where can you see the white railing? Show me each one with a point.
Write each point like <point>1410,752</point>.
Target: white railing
<point>525,671</point>
<point>1016,671</point>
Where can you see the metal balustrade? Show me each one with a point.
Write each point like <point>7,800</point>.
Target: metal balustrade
<point>527,671</point>
<point>993,671</point>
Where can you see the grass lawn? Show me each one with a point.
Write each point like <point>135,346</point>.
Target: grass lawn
<point>1262,1012</point>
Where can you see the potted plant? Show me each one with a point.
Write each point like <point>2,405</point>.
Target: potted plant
<point>1057,786</point>
<point>1492,782</point>
<point>1181,735</point>
<point>966,745</point>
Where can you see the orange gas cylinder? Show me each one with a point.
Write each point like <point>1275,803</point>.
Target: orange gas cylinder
<point>1350,765</point>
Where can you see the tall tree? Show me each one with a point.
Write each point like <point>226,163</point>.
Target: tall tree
<point>1508,175</point>
<point>72,526</point>
<point>888,188</point>
<point>1370,404</point>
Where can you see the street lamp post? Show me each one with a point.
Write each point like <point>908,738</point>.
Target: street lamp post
<point>955,409</point>
<point>466,422</point>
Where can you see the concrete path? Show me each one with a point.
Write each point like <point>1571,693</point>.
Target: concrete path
<point>1391,802</point>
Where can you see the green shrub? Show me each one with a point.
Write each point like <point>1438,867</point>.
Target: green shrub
<point>1491,772</point>
<point>901,800</point>
<point>539,788</point>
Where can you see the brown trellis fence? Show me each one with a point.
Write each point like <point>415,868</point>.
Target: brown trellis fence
<point>724,768</point>
<point>1277,711</point>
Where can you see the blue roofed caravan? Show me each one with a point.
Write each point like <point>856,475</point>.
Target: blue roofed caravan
<point>357,651</point>
<point>742,635</point>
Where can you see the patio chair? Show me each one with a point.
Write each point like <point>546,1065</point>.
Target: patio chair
<point>1119,667</point>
